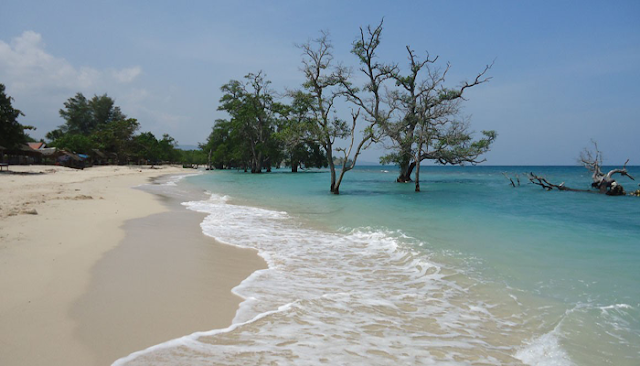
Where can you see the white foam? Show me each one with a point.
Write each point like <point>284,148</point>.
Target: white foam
<point>355,297</point>
<point>544,351</point>
<point>174,179</point>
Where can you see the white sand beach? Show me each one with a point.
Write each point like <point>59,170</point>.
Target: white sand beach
<point>73,288</point>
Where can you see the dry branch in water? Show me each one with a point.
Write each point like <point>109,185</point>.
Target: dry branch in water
<point>544,183</point>
<point>604,183</point>
<point>592,160</point>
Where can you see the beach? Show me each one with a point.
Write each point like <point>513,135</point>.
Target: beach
<point>92,269</point>
<point>130,266</point>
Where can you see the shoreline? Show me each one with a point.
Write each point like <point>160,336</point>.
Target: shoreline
<point>67,273</point>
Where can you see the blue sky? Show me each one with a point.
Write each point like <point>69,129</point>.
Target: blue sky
<point>565,72</point>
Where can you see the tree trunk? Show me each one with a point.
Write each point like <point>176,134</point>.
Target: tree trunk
<point>294,167</point>
<point>418,178</point>
<point>336,186</point>
<point>267,165</point>
<point>405,172</point>
<point>256,164</point>
<point>332,167</point>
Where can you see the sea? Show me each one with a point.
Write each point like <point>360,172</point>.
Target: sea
<point>469,271</point>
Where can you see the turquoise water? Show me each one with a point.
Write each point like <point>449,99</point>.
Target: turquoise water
<point>470,270</point>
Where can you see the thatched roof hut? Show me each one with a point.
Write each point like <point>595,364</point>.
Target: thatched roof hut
<point>22,154</point>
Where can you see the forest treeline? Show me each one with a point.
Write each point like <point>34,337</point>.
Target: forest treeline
<point>98,124</point>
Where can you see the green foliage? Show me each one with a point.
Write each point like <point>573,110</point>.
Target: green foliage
<point>297,133</point>
<point>11,131</point>
<point>247,138</point>
<point>78,144</point>
<point>146,147</point>
<point>117,137</point>
<point>427,124</point>
<point>190,157</point>
<point>84,116</point>
<point>99,124</point>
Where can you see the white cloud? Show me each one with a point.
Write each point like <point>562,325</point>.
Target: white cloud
<point>25,66</point>
<point>40,81</point>
<point>127,75</point>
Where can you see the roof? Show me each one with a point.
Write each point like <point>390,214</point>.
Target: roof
<point>49,151</point>
<point>37,145</point>
<point>23,150</point>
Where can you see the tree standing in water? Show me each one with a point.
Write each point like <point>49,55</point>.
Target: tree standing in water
<point>322,85</point>
<point>428,126</point>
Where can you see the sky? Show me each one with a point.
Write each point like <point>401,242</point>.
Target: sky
<point>565,72</point>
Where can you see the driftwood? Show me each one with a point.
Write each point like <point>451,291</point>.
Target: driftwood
<point>511,180</point>
<point>544,183</point>
<point>603,183</point>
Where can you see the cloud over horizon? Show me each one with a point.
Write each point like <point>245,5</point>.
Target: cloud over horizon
<point>25,65</point>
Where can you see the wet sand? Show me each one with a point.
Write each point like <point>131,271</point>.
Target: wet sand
<point>165,280</point>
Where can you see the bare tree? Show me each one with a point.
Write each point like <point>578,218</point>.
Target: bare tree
<point>367,100</point>
<point>321,84</point>
<point>428,126</point>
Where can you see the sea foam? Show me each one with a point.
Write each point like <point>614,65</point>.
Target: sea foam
<point>365,296</point>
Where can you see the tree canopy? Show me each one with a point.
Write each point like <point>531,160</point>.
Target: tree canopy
<point>260,132</point>
<point>12,132</point>
<point>99,124</point>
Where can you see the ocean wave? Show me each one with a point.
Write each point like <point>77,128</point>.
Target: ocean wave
<point>363,296</point>
<point>173,180</point>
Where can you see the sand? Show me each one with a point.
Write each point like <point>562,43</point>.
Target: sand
<point>92,270</point>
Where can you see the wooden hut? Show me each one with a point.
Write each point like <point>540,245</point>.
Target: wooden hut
<point>22,155</point>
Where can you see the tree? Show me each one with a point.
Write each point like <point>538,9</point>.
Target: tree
<point>428,126</point>
<point>12,132</point>
<point>116,137</point>
<point>191,157</point>
<point>251,107</point>
<point>367,99</point>
<point>295,132</point>
<point>77,116</point>
<point>145,147</point>
<point>167,149</point>
<point>226,147</point>
<point>84,116</point>
<point>322,86</point>
<point>79,144</point>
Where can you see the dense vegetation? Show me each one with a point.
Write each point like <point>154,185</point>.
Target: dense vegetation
<point>260,132</point>
<point>98,124</point>
<point>12,132</point>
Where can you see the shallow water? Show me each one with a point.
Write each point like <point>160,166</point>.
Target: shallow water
<point>469,271</point>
